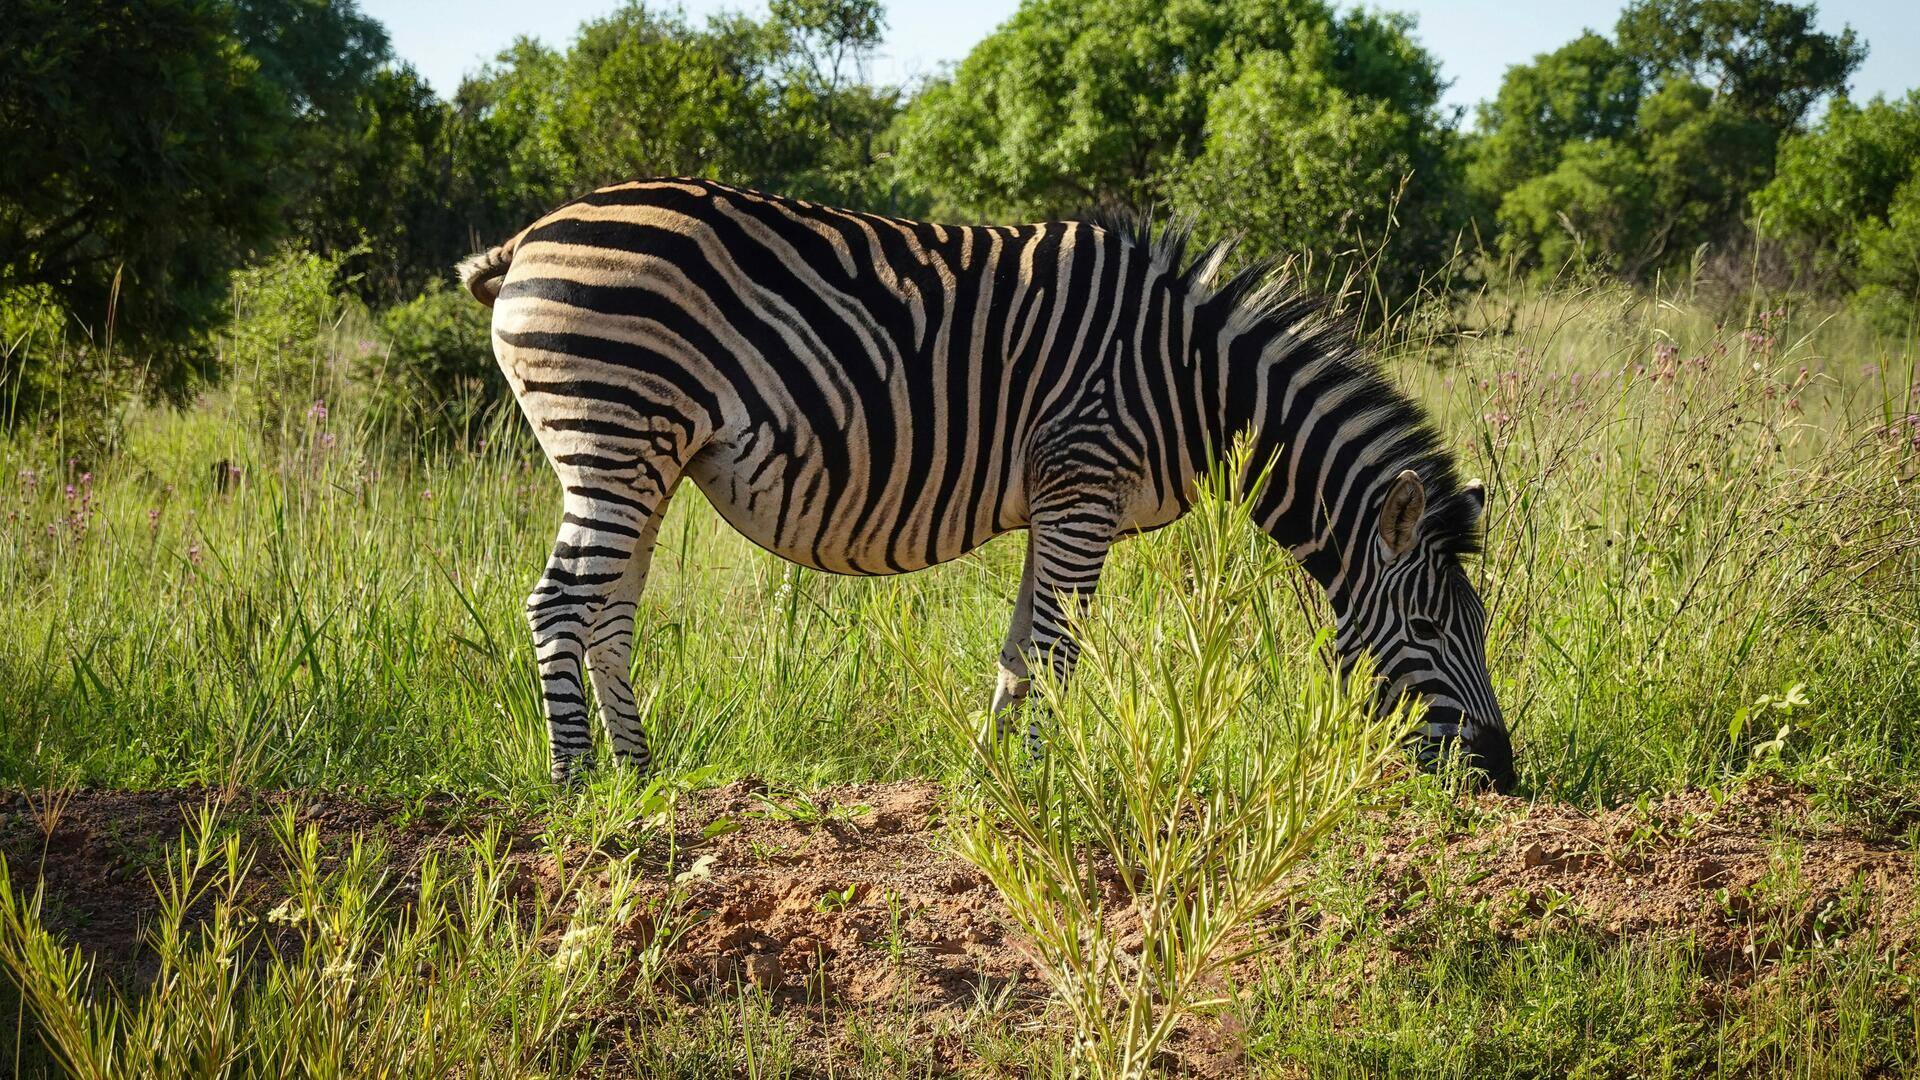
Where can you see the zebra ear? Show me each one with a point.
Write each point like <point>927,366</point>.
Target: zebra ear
<point>1400,513</point>
<point>1476,489</point>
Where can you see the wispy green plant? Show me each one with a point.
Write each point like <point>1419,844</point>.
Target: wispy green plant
<point>1170,805</point>
<point>334,967</point>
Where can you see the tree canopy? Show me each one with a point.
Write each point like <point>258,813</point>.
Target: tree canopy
<point>141,141</point>
<point>1285,123</point>
<point>1628,154</point>
<point>156,146</point>
<point>1846,195</point>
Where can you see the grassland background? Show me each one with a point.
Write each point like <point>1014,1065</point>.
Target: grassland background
<point>1693,510</point>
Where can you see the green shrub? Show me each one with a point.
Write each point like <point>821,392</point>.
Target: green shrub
<point>56,381</point>
<point>1846,202</point>
<point>281,350</point>
<point>436,378</point>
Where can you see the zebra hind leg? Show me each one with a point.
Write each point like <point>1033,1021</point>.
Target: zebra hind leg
<point>592,556</point>
<point>610,657</point>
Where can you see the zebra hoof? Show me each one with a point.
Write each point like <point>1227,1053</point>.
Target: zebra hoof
<point>571,772</point>
<point>641,763</point>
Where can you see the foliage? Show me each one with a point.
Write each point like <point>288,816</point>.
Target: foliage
<point>393,198</point>
<point>1078,105</point>
<point>436,375</point>
<point>642,92</point>
<point>1847,197</point>
<point>1160,765</point>
<point>279,347</point>
<point>1585,91</point>
<point>1294,166</point>
<point>1628,155</point>
<point>52,375</point>
<point>1287,123</point>
<point>353,971</point>
<point>141,144</point>
<point>1763,57</point>
<point>1634,204</point>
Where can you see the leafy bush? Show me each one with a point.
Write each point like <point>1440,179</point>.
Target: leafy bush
<point>436,378</point>
<point>56,380</point>
<point>1294,164</point>
<point>1846,198</point>
<point>280,348</point>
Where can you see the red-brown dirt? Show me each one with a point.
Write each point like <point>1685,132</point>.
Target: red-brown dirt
<point>850,896</point>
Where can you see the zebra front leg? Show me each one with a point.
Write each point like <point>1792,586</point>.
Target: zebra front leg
<point>1014,681</point>
<point>1067,546</point>
<point>592,556</point>
<point>610,655</point>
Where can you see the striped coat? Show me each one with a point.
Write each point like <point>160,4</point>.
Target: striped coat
<point>868,395</point>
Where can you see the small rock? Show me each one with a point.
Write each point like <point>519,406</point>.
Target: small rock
<point>763,970</point>
<point>803,946</point>
<point>1535,854</point>
<point>1708,873</point>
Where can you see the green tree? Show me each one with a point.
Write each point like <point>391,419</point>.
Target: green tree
<point>141,142</point>
<point>1762,57</point>
<point>508,139</point>
<point>1585,90</point>
<point>1295,165</point>
<point>1282,122</point>
<point>1631,154</point>
<point>1845,198</point>
<point>780,104</point>
<point>1596,203</point>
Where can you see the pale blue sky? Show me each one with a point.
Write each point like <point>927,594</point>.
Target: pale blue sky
<point>1475,40</point>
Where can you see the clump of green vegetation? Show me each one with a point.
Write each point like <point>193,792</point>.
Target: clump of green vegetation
<point>1159,764</point>
<point>350,971</point>
<point>435,379</point>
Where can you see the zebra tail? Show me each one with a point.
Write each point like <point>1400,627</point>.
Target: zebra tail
<point>481,273</point>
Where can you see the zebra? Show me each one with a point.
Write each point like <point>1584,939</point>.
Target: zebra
<point>872,395</point>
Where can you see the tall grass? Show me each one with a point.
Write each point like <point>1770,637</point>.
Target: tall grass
<point>1686,515</point>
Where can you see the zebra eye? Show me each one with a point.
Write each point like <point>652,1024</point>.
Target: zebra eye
<point>1423,627</point>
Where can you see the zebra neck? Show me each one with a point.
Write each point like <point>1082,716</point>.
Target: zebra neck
<point>1330,451</point>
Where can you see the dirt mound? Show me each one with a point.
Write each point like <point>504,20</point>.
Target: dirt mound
<point>849,895</point>
<point>1741,876</point>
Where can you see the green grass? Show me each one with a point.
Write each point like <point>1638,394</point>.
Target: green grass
<point>1682,523</point>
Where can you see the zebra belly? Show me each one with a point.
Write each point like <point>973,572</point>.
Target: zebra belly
<point>786,503</point>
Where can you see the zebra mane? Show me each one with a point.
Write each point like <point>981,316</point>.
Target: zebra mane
<point>1259,304</point>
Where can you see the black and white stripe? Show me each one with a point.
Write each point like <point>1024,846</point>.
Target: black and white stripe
<point>868,395</point>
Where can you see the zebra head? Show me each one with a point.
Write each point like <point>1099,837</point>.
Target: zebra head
<point>1411,606</point>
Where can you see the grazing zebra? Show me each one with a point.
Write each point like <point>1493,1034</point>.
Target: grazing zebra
<point>869,395</point>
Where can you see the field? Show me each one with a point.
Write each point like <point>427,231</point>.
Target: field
<point>272,761</point>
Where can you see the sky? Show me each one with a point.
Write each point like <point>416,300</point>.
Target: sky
<point>1475,40</point>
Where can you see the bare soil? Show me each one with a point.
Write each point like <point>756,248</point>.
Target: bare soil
<point>849,897</point>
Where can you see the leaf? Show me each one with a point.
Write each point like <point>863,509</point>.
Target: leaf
<point>701,870</point>
<point>719,826</point>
